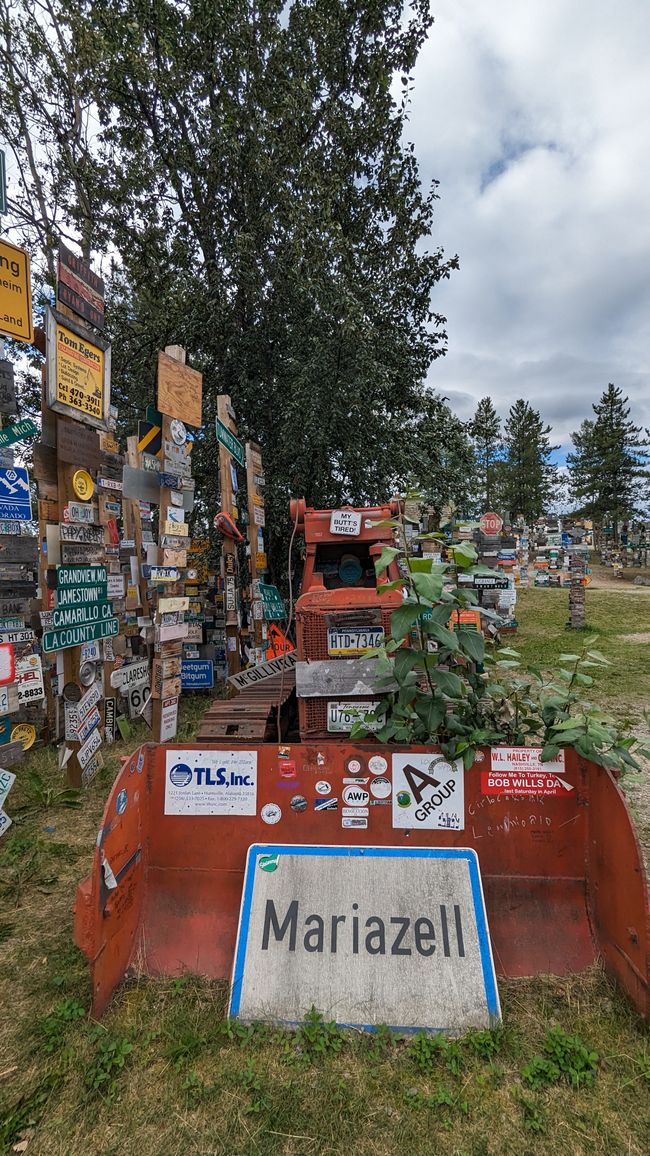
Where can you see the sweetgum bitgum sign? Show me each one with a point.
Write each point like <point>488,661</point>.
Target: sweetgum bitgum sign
<point>368,935</point>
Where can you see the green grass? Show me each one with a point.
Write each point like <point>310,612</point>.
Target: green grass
<point>543,635</point>
<point>164,1074</point>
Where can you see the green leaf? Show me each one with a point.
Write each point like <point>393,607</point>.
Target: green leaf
<point>472,644</point>
<point>509,652</point>
<point>403,618</point>
<point>431,712</point>
<point>464,555</point>
<point>595,654</point>
<point>420,565</point>
<point>405,659</point>
<point>569,658</point>
<point>450,684</point>
<point>394,585</point>
<point>428,586</point>
<point>550,751</point>
<point>388,555</point>
<point>445,637</point>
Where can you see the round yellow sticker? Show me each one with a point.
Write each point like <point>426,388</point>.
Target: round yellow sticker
<point>24,733</point>
<point>83,485</point>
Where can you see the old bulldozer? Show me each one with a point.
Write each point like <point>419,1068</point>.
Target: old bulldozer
<point>561,868</point>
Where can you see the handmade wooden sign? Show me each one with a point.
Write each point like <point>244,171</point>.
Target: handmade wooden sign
<point>179,390</point>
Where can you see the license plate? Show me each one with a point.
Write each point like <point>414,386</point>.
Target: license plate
<point>356,640</point>
<point>341,716</point>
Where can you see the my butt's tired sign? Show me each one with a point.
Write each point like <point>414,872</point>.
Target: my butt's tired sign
<point>368,935</point>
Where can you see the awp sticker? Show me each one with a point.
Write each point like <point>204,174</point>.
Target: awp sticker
<point>428,793</point>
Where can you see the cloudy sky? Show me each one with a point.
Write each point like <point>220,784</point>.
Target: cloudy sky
<point>534,115</point>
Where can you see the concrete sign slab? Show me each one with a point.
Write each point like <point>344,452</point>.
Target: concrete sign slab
<point>367,935</point>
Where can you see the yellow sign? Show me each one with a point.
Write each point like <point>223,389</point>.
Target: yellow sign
<point>79,373</point>
<point>83,485</point>
<point>24,733</point>
<point>15,293</point>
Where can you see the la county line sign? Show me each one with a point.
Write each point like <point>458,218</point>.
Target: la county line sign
<point>368,935</point>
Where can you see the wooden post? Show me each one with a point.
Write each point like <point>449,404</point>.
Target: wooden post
<point>228,547</point>
<point>256,519</point>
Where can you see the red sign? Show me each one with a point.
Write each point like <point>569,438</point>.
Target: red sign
<point>491,524</point>
<point>7,667</point>
<point>523,783</point>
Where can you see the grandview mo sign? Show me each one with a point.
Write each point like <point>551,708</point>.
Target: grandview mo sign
<point>368,935</point>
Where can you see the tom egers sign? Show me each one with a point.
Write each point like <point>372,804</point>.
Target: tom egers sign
<point>368,935</point>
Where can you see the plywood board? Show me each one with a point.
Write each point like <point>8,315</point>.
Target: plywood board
<point>180,390</point>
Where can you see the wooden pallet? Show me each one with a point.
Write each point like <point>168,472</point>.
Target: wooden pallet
<point>251,716</point>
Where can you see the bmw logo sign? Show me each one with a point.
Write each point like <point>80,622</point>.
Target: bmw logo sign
<point>181,775</point>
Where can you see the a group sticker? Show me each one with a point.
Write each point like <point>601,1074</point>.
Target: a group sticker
<point>428,792</point>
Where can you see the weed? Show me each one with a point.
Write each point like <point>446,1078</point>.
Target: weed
<point>425,1050</point>
<point>252,1084</point>
<point>317,1039</point>
<point>107,1063</point>
<point>194,1088</point>
<point>379,1042</point>
<point>485,1044</point>
<point>540,1073</point>
<point>54,1027</point>
<point>185,1047</point>
<point>6,931</point>
<point>576,1062</point>
<point>40,795</point>
<point>27,1112</point>
<point>534,1117</point>
<point>453,1057</point>
<point>441,1098</point>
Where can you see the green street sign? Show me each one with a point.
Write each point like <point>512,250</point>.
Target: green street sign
<point>3,183</point>
<point>81,595</point>
<point>12,624</point>
<point>273,602</point>
<point>230,442</point>
<point>81,615</point>
<point>18,432</point>
<point>68,636</point>
<point>81,575</point>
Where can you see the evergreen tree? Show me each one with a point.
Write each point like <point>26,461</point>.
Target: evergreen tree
<point>528,476</point>
<point>445,469</point>
<point>609,464</point>
<point>485,431</point>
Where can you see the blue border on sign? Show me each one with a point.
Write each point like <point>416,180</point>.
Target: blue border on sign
<point>467,853</point>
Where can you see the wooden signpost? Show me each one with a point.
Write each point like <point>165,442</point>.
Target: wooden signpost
<point>226,421</point>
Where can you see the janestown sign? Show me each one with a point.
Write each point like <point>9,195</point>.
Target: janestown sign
<point>368,935</point>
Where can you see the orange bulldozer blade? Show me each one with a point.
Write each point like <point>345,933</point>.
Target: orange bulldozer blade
<point>563,877</point>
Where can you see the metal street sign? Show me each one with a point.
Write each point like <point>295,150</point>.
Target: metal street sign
<point>127,677</point>
<point>230,442</point>
<point>274,607</point>
<point>197,674</point>
<point>18,432</point>
<point>75,635</point>
<point>324,926</point>
<point>263,670</point>
<point>15,293</point>
<point>80,596</point>
<point>15,499</point>
<point>80,575</point>
<point>80,615</point>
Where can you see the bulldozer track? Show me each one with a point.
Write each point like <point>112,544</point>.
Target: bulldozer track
<point>251,716</point>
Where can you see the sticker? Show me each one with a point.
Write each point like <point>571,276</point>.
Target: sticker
<point>354,821</point>
<point>355,811</point>
<point>378,765</point>
<point>25,734</point>
<point>323,787</point>
<point>178,431</point>
<point>326,804</point>
<point>479,756</point>
<point>271,813</point>
<point>140,763</point>
<point>299,803</point>
<point>320,759</point>
<point>380,802</point>
<point>287,769</point>
<point>83,485</point>
<point>268,862</point>
<point>357,782</point>
<point>380,788</point>
<point>284,752</point>
<point>121,801</point>
<point>354,766</point>
<point>209,782</point>
<point>355,797</point>
<point>428,793</point>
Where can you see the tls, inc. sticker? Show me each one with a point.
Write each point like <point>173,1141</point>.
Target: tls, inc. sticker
<point>428,792</point>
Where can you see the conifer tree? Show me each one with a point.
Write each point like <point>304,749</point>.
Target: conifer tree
<point>528,477</point>
<point>485,431</point>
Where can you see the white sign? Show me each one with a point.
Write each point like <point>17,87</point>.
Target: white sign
<point>135,674</point>
<point>5,823</point>
<point>29,679</point>
<point>211,782</point>
<point>523,759</point>
<point>368,935</point>
<point>7,780</point>
<point>79,512</point>
<point>89,700</point>
<point>168,719</point>
<point>341,716</point>
<point>115,585</point>
<point>345,522</point>
<point>264,670</point>
<point>86,752</point>
<point>87,725</point>
<point>428,792</point>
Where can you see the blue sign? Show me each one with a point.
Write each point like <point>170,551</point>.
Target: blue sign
<point>15,498</point>
<point>197,674</point>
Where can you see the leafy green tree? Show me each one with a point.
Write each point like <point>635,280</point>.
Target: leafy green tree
<point>528,476</point>
<point>444,468</point>
<point>485,430</point>
<point>609,464</point>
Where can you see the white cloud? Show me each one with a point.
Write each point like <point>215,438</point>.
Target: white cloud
<point>533,115</point>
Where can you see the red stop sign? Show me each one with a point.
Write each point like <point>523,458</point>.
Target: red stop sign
<point>491,524</point>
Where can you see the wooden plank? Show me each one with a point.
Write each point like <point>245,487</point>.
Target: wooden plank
<point>77,443</point>
<point>18,549</point>
<point>339,678</point>
<point>180,390</point>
